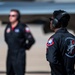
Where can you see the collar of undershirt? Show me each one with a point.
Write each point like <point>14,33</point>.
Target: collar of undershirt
<point>12,28</point>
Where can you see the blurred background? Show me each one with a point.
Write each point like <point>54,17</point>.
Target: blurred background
<point>35,13</point>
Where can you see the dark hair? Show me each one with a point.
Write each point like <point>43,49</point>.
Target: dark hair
<point>18,12</point>
<point>63,22</point>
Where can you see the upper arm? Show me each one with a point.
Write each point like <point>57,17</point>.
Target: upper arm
<point>27,34</point>
<point>52,50</point>
<point>5,34</point>
<point>28,37</point>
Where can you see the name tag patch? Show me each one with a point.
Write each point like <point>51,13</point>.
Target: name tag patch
<point>17,30</point>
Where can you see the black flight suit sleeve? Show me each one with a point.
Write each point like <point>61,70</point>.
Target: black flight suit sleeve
<point>29,37</point>
<point>51,54</point>
<point>52,57</point>
<point>5,38</point>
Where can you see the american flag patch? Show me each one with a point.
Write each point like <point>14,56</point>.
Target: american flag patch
<point>27,29</point>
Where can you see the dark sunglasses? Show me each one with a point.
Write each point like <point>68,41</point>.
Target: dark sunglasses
<point>12,15</point>
<point>50,19</point>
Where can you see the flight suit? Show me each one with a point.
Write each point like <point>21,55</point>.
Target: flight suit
<point>60,52</point>
<point>18,40</point>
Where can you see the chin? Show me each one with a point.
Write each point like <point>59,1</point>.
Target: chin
<point>12,21</point>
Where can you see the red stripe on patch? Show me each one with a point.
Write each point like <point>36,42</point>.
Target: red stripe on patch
<point>50,44</point>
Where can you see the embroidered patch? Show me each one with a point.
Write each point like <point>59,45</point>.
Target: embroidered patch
<point>27,29</point>
<point>50,42</point>
<point>17,30</point>
<point>70,47</point>
<point>8,30</point>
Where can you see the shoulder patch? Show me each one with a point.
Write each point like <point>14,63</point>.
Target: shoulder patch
<point>27,29</point>
<point>50,42</point>
<point>8,30</point>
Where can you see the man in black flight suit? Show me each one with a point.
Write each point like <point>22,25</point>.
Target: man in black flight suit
<point>61,46</point>
<point>18,38</point>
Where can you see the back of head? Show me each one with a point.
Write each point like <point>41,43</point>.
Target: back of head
<point>63,18</point>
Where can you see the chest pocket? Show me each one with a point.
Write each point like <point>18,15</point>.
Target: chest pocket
<point>70,47</point>
<point>17,33</point>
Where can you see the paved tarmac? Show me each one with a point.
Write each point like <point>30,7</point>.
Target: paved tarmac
<point>36,60</point>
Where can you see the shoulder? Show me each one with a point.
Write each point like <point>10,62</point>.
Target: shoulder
<point>56,36</point>
<point>52,41</point>
<point>24,27</point>
<point>71,34</point>
<point>7,26</point>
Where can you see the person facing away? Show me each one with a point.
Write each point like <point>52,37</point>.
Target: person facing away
<point>61,46</point>
<point>18,38</point>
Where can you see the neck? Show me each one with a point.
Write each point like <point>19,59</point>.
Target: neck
<point>55,30</point>
<point>14,24</point>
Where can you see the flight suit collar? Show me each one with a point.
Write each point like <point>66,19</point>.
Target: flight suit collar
<point>15,27</point>
<point>62,30</point>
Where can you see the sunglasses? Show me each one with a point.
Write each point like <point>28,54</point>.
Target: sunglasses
<point>12,15</point>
